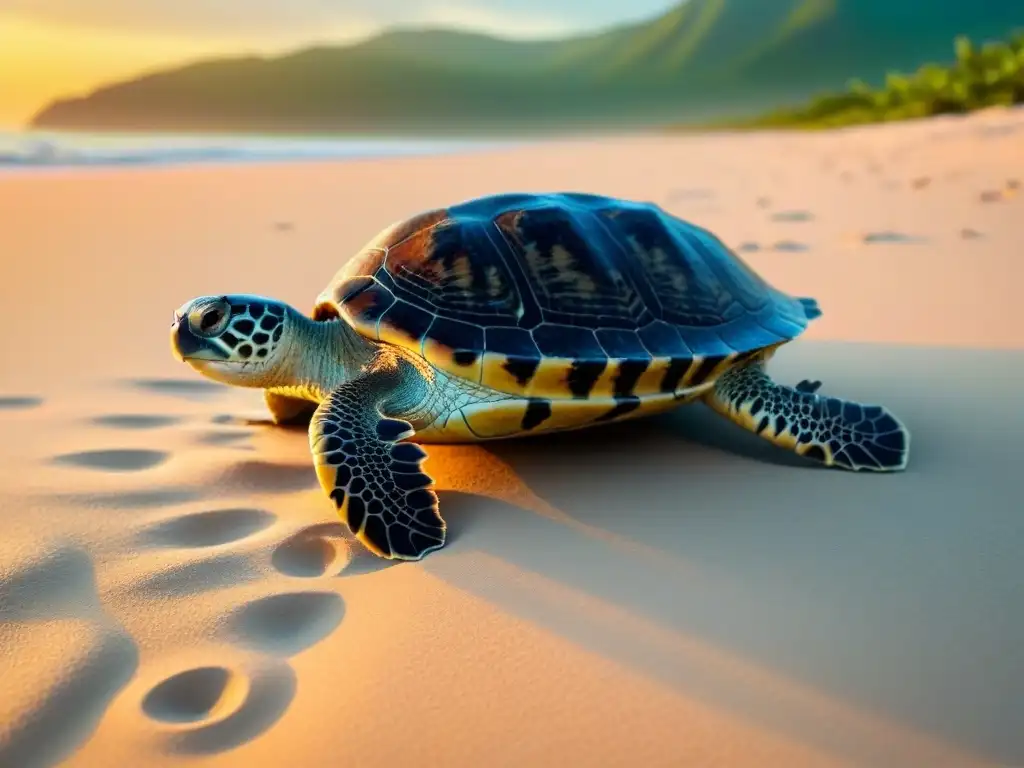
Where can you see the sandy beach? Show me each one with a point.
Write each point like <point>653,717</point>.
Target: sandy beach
<point>176,589</point>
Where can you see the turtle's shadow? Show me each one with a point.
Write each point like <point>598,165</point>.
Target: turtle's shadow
<point>640,455</point>
<point>227,419</point>
<point>675,527</point>
<point>699,426</point>
<point>692,426</point>
<point>642,479</point>
<point>678,437</point>
<point>686,531</point>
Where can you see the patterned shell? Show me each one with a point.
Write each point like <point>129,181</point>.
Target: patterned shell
<point>563,296</point>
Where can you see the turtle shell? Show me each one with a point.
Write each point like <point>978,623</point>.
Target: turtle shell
<point>563,296</point>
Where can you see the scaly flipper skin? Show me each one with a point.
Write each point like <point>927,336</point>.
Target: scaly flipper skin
<point>833,431</point>
<point>808,387</point>
<point>288,410</point>
<point>376,482</point>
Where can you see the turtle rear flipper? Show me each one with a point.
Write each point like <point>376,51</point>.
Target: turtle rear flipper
<point>288,410</point>
<point>835,432</point>
<point>376,482</point>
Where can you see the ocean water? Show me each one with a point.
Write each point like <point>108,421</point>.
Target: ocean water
<point>37,149</point>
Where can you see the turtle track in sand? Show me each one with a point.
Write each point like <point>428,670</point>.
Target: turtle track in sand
<point>237,566</point>
<point>56,691</point>
<point>226,590</point>
<point>314,551</point>
<point>182,388</point>
<point>134,421</point>
<point>208,528</point>
<point>19,402</point>
<point>114,459</point>
<point>211,709</point>
<point>287,623</point>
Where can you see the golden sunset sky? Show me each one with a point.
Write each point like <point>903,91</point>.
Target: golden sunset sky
<point>54,48</point>
<point>39,62</point>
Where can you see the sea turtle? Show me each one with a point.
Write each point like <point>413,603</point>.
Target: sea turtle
<point>515,315</point>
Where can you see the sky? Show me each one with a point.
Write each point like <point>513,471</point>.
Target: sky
<point>55,48</point>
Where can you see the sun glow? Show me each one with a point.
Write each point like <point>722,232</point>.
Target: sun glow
<point>40,62</point>
<point>44,60</point>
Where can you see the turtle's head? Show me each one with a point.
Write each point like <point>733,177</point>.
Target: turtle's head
<point>240,340</point>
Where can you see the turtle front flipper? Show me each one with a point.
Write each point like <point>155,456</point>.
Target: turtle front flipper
<point>376,482</point>
<point>835,432</point>
<point>288,410</point>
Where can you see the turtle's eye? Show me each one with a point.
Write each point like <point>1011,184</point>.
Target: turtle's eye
<point>210,319</point>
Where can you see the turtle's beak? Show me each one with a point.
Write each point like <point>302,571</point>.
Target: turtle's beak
<point>186,346</point>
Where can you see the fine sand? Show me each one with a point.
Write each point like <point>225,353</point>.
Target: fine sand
<point>174,587</point>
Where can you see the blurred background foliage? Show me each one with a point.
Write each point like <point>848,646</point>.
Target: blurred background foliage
<point>988,75</point>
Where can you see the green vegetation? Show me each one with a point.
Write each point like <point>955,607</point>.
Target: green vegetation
<point>698,60</point>
<point>982,76</point>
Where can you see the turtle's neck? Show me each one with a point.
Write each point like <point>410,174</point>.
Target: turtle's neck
<point>319,356</point>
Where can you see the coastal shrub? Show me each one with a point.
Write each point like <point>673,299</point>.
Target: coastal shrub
<point>988,75</point>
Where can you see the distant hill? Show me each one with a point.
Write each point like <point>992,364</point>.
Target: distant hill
<point>700,59</point>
